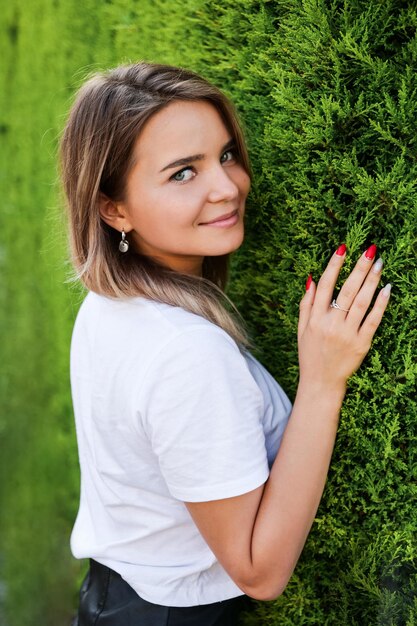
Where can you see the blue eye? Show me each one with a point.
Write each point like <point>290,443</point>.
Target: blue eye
<point>232,156</point>
<point>180,177</point>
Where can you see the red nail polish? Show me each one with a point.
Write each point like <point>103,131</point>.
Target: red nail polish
<point>341,250</point>
<point>308,283</point>
<point>371,252</point>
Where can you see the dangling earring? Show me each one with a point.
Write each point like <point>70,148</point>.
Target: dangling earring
<point>124,244</point>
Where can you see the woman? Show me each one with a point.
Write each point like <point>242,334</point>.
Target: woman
<point>192,496</point>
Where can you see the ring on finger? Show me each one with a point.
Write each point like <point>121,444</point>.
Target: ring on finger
<point>334,305</point>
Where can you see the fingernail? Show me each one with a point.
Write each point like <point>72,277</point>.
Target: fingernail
<point>378,265</point>
<point>371,252</point>
<point>341,250</point>
<point>308,283</point>
<point>387,290</point>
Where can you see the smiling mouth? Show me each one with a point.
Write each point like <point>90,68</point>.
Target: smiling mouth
<point>222,218</point>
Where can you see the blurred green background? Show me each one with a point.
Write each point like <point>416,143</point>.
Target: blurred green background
<point>328,96</point>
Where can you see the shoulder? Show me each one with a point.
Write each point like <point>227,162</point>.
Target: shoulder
<point>193,344</point>
<point>141,315</point>
<point>199,366</point>
<point>184,326</point>
<point>150,335</point>
<point>189,351</point>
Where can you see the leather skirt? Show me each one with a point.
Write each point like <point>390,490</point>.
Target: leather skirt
<point>108,600</point>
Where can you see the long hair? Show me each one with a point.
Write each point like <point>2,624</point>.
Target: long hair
<point>109,112</point>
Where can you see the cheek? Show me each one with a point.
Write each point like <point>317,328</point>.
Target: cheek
<point>183,204</point>
<point>168,209</point>
<point>241,179</point>
<point>244,182</point>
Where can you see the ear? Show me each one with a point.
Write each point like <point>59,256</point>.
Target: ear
<point>114,214</point>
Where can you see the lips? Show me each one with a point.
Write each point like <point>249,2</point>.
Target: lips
<point>221,218</point>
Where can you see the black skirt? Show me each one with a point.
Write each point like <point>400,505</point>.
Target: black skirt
<point>108,600</point>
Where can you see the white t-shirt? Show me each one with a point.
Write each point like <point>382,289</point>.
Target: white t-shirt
<point>167,410</point>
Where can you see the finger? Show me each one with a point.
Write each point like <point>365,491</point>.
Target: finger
<point>372,321</point>
<point>327,282</point>
<point>356,278</point>
<point>306,305</point>
<point>365,294</point>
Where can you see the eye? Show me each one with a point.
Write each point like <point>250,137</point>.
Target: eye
<point>183,175</point>
<point>230,156</point>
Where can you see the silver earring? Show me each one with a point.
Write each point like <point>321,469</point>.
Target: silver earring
<point>124,244</point>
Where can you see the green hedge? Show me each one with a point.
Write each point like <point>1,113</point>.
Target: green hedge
<point>327,92</point>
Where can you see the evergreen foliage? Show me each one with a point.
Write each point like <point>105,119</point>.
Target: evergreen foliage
<point>328,94</point>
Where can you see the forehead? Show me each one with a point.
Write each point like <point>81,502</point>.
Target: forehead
<point>180,129</point>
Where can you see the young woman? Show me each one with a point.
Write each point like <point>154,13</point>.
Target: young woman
<point>192,495</point>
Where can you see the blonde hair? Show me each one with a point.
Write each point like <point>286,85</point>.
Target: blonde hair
<point>109,112</point>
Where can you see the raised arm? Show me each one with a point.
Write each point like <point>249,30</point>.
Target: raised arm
<point>258,536</point>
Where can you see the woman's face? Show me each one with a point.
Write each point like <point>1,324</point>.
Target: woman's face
<point>186,192</point>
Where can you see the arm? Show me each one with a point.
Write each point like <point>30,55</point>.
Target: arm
<point>258,536</point>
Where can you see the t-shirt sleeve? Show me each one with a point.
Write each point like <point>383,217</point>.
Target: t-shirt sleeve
<point>202,412</point>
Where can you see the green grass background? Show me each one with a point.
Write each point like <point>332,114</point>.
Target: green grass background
<point>328,96</point>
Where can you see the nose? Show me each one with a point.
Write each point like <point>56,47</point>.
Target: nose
<point>222,187</point>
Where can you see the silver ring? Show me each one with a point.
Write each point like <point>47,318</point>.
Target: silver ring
<point>334,305</point>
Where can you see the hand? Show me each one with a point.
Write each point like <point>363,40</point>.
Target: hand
<point>333,343</point>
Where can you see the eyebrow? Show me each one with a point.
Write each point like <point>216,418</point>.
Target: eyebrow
<point>196,157</point>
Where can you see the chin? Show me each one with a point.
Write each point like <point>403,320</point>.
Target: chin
<point>228,245</point>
